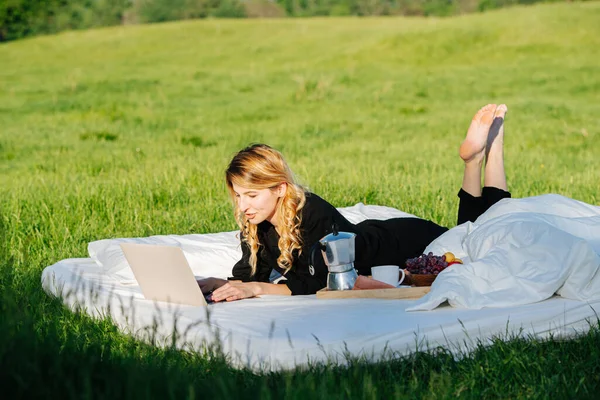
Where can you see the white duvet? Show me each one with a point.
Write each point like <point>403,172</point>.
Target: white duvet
<point>520,251</point>
<point>531,269</point>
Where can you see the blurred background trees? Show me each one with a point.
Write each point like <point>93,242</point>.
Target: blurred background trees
<point>22,18</point>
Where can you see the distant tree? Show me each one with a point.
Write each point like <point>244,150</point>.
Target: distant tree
<point>20,18</point>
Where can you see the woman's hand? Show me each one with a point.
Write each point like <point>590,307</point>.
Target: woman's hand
<point>208,285</point>
<point>236,291</point>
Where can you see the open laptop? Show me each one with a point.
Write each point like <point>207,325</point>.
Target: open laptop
<point>163,273</point>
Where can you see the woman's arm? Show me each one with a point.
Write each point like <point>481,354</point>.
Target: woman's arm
<point>243,272</point>
<point>243,290</point>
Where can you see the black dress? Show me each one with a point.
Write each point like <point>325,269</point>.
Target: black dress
<point>377,242</point>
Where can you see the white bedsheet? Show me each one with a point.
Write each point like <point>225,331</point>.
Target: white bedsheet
<point>276,332</point>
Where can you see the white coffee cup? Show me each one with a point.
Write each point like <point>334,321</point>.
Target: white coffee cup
<point>388,274</point>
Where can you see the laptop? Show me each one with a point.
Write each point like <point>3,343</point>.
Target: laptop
<point>163,274</point>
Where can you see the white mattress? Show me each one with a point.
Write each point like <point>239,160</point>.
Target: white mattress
<point>282,332</point>
<point>518,255</point>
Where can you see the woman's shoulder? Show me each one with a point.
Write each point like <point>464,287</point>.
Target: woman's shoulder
<point>319,217</point>
<point>316,203</point>
<point>318,211</point>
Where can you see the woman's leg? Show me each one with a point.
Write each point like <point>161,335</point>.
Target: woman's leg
<point>473,153</point>
<point>473,149</point>
<point>494,161</point>
<point>484,143</point>
<point>495,187</point>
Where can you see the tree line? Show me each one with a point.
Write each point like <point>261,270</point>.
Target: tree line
<point>22,18</point>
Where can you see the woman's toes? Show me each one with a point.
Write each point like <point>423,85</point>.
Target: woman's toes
<point>487,114</point>
<point>501,111</point>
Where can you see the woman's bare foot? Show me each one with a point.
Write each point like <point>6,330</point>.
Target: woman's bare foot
<point>495,175</point>
<point>474,146</point>
<point>495,140</point>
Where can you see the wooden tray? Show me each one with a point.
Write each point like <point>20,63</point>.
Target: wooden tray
<point>392,293</point>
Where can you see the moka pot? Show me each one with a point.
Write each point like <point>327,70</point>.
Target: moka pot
<point>338,252</point>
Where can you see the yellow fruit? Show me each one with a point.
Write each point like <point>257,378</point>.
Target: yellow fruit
<point>449,257</point>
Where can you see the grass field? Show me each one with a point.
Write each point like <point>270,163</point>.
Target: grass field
<point>126,131</point>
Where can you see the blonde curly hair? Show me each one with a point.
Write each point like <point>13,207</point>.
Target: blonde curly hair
<point>261,167</point>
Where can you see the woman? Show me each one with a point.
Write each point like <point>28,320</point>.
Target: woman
<point>280,222</point>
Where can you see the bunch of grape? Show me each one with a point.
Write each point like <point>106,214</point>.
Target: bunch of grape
<point>426,264</point>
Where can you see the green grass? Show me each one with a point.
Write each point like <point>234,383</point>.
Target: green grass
<point>126,131</point>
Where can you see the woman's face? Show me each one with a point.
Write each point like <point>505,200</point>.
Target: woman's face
<point>259,205</point>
